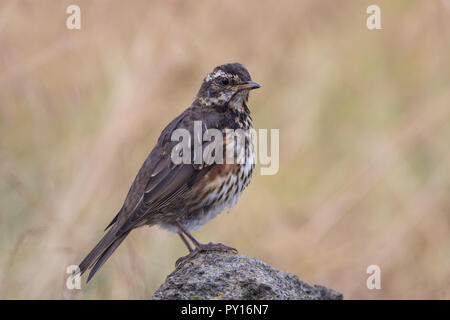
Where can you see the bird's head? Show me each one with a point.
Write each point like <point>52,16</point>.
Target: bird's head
<point>227,85</point>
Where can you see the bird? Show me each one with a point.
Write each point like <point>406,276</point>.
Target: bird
<point>181,197</point>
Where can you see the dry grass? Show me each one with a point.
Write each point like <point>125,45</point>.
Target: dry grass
<point>364,119</point>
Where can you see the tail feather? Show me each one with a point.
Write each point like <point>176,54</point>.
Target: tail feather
<point>105,255</point>
<point>101,252</point>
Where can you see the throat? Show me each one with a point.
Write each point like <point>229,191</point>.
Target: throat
<point>237,103</point>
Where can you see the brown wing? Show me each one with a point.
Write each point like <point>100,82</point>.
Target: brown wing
<point>165,190</point>
<point>160,184</point>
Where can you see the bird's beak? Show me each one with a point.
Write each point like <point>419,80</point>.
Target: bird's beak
<point>249,85</point>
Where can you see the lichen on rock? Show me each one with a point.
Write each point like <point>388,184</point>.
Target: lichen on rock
<point>227,276</point>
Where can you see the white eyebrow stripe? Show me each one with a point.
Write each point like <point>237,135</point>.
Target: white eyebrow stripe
<point>218,73</point>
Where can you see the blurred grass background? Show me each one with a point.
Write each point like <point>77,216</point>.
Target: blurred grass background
<point>364,119</point>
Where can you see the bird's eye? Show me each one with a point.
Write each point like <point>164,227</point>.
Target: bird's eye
<point>225,81</point>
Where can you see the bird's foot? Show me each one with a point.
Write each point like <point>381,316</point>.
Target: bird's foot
<point>206,247</point>
<point>216,247</point>
<point>186,257</point>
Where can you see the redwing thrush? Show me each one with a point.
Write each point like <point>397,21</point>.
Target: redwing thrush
<point>183,197</point>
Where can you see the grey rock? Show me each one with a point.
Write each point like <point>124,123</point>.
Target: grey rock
<point>228,276</point>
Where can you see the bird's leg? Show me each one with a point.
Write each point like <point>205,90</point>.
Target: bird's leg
<point>188,234</point>
<point>199,247</point>
<point>186,242</point>
<point>192,252</point>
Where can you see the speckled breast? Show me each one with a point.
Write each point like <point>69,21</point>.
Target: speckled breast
<point>220,188</point>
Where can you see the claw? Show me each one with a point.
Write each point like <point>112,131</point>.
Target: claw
<point>205,247</point>
<point>190,255</point>
<point>217,247</point>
